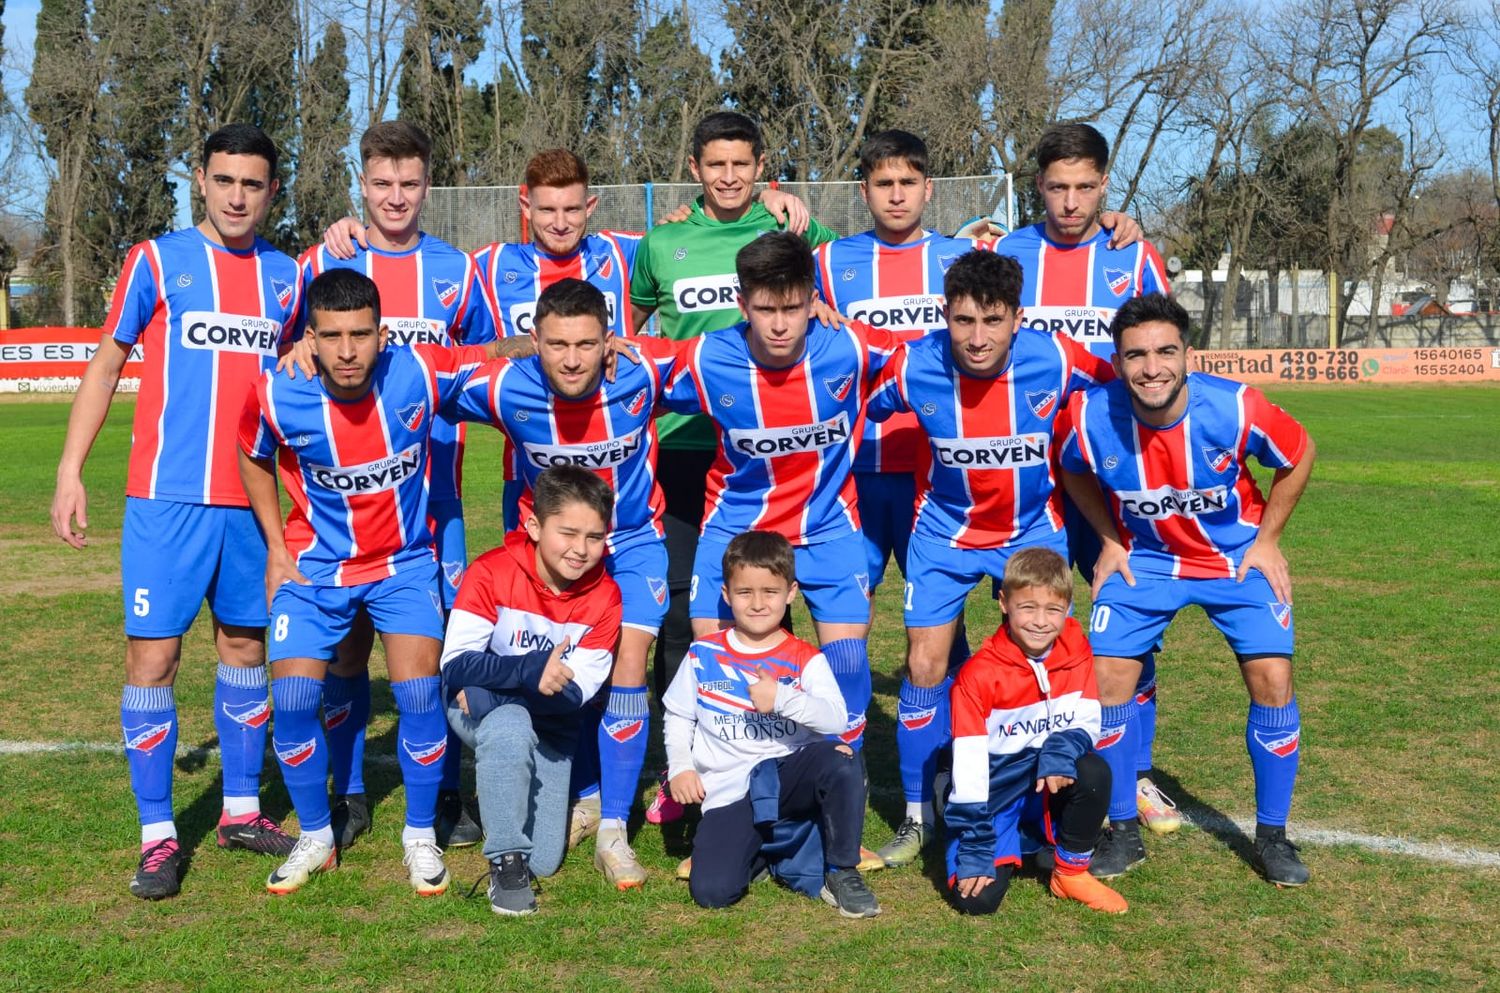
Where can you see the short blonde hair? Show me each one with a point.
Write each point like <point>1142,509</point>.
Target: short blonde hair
<point>1038,567</point>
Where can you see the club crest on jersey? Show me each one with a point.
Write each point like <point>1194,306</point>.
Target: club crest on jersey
<point>145,737</point>
<point>636,404</point>
<point>283,291</point>
<point>1110,736</point>
<point>916,720</point>
<point>624,730</point>
<point>658,588</point>
<point>411,415</point>
<point>1118,280</point>
<point>446,290</point>
<point>337,714</point>
<point>839,388</point>
<point>1219,459</point>
<point>297,752</point>
<point>453,572</point>
<point>425,752</point>
<point>603,265</point>
<point>853,730</point>
<point>253,714</point>
<point>1042,402</point>
<point>1279,743</point>
<point>1283,614</point>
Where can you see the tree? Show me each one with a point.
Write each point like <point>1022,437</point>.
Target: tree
<point>442,40</point>
<point>321,193</point>
<point>676,87</point>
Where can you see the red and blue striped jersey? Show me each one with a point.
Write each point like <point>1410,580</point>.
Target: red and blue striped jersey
<point>210,321</point>
<point>357,470</point>
<point>1076,289</point>
<point>514,276</point>
<point>786,437</point>
<point>899,288</point>
<point>428,295</point>
<point>990,479</point>
<point>610,432</point>
<point>1183,497</point>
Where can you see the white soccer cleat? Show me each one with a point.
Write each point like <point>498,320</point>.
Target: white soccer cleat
<point>1157,810</point>
<point>425,868</point>
<point>308,856</point>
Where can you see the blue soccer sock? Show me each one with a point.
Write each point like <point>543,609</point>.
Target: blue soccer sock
<point>850,661</point>
<point>622,750</point>
<point>242,717</point>
<point>148,719</point>
<point>346,715</point>
<point>1145,714</point>
<point>422,733</point>
<point>301,750</point>
<point>922,729</point>
<point>584,779</point>
<point>1273,736</point>
<point>1117,748</point>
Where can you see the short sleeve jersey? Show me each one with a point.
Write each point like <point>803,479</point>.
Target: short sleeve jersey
<point>514,276</point>
<point>610,432</point>
<point>1183,497</point>
<point>356,470</point>
<point>990,480</point>
<point>210,321</point>
<point>899,288</point>
<point>685,272</point>
<point>1076,289</point>
<point>786,436</point>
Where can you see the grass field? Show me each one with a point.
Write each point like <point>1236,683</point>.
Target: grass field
<point>1395,553</point>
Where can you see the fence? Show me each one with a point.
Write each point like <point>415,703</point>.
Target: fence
<point>473,216</point>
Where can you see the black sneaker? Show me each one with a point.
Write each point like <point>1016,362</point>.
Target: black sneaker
<point>846,890</point>
<point>455,828</point>
<point>351,818</point>
<point>256,833</point>
<point>160,873</point>
<point>510,886</point>
<point>1276,858</point>
<point>1119,848</point>
<point>1044,860</point>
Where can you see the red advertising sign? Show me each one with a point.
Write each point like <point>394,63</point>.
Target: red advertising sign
<point>52,360</point>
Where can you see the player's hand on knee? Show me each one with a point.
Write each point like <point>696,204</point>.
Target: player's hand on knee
<point>687,787</point>
<point>1053,784</point>
<point>556,675</point>
<point>342,235</point>
<point>1113,558</point>
<point>1266,556</point>
<point>463,702</point>
<point>298,358</point>
<point>70,504</point>
<point>970,886</point>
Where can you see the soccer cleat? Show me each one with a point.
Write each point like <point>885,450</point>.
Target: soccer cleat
<point>1119,848</point>
<point>160,873</point>
<point>685,869</point>
<point>664,809</point>
<point>424,866</point>
<point>308,856</point>
<point>351,818</point>
<point>1088,891</point>
<point>454,827</point>
<point>613,857</point>
<point>1276,858</point>
<point>869,861</point>
<point>846,890</point>
<point>256,833</point>
<point>1157,810</point>
<point>583,820</point>
<point>510,886</point>
<point>904,848</point>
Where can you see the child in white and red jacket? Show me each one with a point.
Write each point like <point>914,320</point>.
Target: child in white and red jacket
<point>1026,719</point>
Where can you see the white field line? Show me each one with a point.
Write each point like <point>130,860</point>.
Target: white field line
<point>1303,833</point>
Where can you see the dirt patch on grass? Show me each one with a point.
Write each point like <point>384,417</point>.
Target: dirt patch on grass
<point>53,570</point>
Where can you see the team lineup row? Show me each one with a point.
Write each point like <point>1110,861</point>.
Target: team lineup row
<point>982,396</point>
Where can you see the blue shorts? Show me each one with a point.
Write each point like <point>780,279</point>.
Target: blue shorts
<point>308,622</point>
<point>447,520</point>
<point>1129,621</point>
<point>641,572</point>
<point>1083,540</point>
<point>939,577</point>
<point>510,504</point>
<point>835,595</point>
<point>173,556</point>
<point>886,504</point>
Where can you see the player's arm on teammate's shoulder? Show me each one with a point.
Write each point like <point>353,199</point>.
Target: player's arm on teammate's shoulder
<point>90,408</point>
<point>1124,229</point>
<point>341,237</point>
<point>1265,552</point>
<point>789,210</point>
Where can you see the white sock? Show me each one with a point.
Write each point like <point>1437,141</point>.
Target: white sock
<point>410,834</point>
<point>156,831</point>
<point>239,806</point>
<point>612,824</point>
<point>323,834</point>
<point>920,811</point>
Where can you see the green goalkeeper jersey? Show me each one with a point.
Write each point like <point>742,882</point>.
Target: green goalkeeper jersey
<point>685,272</point>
